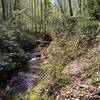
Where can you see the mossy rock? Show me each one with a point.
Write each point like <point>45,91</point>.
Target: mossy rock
<point>33,96</point>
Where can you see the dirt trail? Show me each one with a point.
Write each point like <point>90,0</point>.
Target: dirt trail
<point>80,89</point>
<point>84,61</point>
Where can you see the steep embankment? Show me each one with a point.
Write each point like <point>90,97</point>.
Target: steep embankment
<point>85,71</point>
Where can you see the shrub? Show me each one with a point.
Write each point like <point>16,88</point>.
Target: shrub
<point>87,34</point>
<point>25,40</point>
<point>13,44</point>
<point>10,53</point>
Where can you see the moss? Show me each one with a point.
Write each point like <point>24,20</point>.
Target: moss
<point>45,64</point>
<point>33,96</point>
<point>36,92</point>
<point>96,81</point>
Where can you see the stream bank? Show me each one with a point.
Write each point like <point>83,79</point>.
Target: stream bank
<point>23,80</point>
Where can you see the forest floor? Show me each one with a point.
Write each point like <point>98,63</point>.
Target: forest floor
<point>85,71</point>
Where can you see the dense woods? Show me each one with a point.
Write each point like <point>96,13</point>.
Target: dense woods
<point>63,31</point>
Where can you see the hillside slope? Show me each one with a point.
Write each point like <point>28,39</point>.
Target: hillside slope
<point>85,71</point>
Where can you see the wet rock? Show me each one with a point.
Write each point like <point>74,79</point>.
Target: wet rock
<point>1,98</point>
<point>17,84</point>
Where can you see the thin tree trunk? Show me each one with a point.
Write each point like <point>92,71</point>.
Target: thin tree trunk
<point>35,15</point>
<point>80,6</point>
<point>60,5</point>
<point>4,9</point>
<point>41,16</point>
<point>11,9</point>
<point>45,15</point>
<point>32,7</point>
<point>70,8</point>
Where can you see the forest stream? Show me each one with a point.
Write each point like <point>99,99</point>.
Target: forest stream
<point>25,78</point>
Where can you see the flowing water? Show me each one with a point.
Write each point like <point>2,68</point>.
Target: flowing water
<point>25,78</point>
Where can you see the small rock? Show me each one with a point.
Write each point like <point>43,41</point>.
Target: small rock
<point>75,99</point>
<point>58,98</point>
<point>1,98</point>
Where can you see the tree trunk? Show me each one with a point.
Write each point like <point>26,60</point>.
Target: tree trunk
<point>60,5</point>
<point>70,8</point>
<point>16,5</point>
<point>41,16</point>
<point>45,15</point>
<point>80,6</point>
<point>4,9</point>
<point>35,13</point>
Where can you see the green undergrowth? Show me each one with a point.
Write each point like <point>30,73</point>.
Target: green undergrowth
<point>96,73</point>
<point>49,87</point>
<point>60,55</point>
<point>66,47</point>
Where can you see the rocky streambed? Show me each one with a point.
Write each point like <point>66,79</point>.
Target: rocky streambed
<point>25,78</point>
